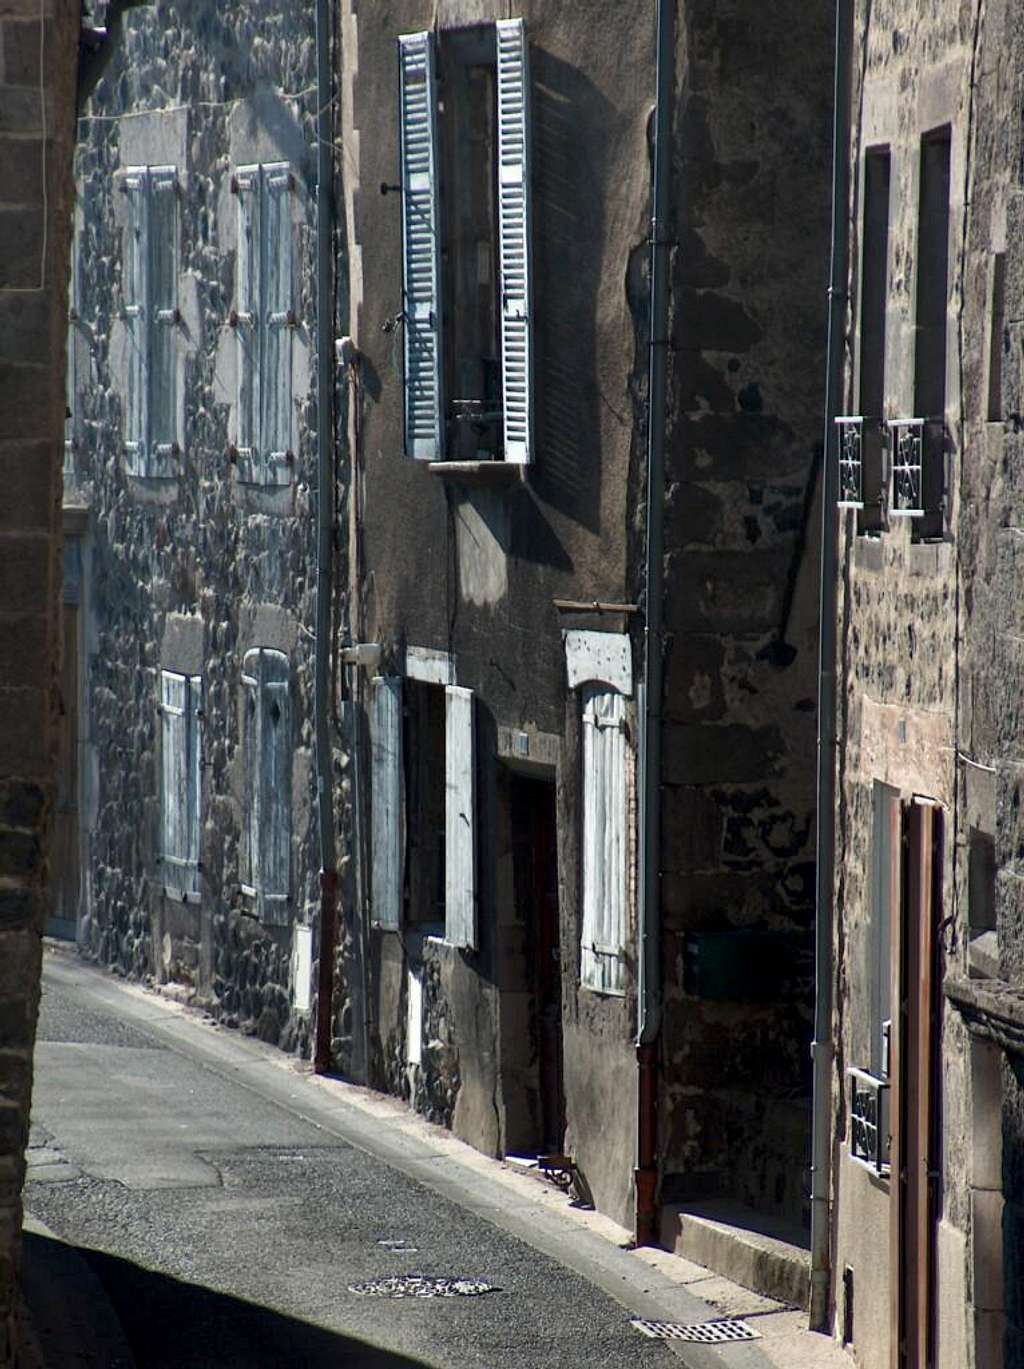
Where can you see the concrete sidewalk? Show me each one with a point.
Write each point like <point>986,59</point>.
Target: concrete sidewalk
<point>647,1283</point>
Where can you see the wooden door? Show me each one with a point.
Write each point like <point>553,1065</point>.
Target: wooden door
<point>917,1078</point>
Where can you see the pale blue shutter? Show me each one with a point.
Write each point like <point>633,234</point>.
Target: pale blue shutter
<point>275,789</point>
<point>135,286</point>
<point>163,320</point>
<point>460,818</point>
<point>247,321</point>
<point>421,248</point>
<point>605,840</point>
<point>386,798</point>
<point>276,438</point>
<point>174,777</point>
<point>514,238</point>
<point>195,781</point>
<point>250,842</point>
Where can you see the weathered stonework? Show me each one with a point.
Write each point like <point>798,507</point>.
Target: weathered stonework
<point>38,47</point>
<point>190,572</point>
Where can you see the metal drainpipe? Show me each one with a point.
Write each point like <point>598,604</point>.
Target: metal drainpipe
<point>649,931</point>
<point>325,535</point>
<point>821,1050</point>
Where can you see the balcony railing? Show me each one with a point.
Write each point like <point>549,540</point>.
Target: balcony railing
<point>869,1120</point>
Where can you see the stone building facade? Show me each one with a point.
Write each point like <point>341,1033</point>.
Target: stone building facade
<point>189,496</point>
<point>38,49</point>
<point>498,448</point>
<point>927,1094</point>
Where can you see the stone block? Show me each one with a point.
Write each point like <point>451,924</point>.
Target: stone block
<point>15,1077</point>
<point>21,855</point>
<point>19,958</point>
<point>27,327</point>
<point>20,111</point>
<point>21,232</point>
<point>30,407</point>
<point>13,1120</point>
<point>725,591</point>
<point>25,572</point>
<point>720,753</point>
<point>19,908</point>
<point>28,476</point>
<point>691,829</point>
<point>21,43</point>
<point>22,804</point>
<point>26,749</point>
<point>693,678</point>
<point>21,172</point>
<point>24,651</point>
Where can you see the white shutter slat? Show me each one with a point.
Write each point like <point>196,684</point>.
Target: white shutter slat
<point>514,238</point>
<point>275,838</point>
<point>421,248</point>
<point>460,818</point>
<point>136,292</point>
<point>195,779</point>
<point>250,844</point>
<point>605,840</point>
<point>277,314</point>
<point>247,328</point>
<point>162,318</point>
<point>386,799</point>
<point>173,767</point>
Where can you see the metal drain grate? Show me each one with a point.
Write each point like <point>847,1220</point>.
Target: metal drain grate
<point>701,1332</point>
<point>417,1286</point>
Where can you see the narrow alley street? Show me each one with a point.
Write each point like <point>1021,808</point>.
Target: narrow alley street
<point>227,1203</point>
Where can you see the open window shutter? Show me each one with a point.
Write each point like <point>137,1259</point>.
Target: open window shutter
<point>174,776</point>
<point>195,779</point>
<point>250,845</point>
<point>514,238</point>
<point>386,792</point>
<point>136,295</point>
<point>276,801</point>
<point>605,845</point>
<point>421,248</point>
<point>279,319</point>
<point>247,314</point>
<point>163,319</point>
<point>460,818</point>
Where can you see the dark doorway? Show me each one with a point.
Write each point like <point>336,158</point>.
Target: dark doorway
<point>531,972</point>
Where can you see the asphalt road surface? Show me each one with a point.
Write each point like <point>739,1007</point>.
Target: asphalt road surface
<point>227,1226</point>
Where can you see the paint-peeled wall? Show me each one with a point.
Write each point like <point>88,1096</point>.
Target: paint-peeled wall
<point>194,571</point>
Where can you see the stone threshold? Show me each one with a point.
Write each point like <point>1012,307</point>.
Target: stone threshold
<point>770,1258</point>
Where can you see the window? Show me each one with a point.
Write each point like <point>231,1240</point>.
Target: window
<point>997,329</point>
<point>151,315</point>
<point>263,321</point>
<point>181,699</point>
<point>605,839</point>
<point>467,307</point>
<point>873,304</point>
<point>423,824</point>
<point>267,745</point>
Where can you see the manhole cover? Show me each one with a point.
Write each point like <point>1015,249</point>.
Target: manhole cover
<point>417,1286</point>
<point>701,1332</point>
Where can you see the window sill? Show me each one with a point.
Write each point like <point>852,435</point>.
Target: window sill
<point>479,474</point>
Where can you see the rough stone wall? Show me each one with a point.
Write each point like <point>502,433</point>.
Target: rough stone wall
<point>38,48</point>
<point>750,171</point>
<point>924,681</point>
<point>190,572</point>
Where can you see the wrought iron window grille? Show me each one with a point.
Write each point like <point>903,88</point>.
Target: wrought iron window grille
<point>869,1120</point>
<point>908,453</point>
<point>849,432</point>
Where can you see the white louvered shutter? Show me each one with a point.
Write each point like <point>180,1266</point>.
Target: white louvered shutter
<point>136,293</point>
<point>276,426</point>
<point>195,781</point>
<point>421,248</point>
<point>163,319</point>
<point>174,776</point>
<point>248,322</point>
<point>250,844</point>
<point>276,786</point>
<point>605,844</point>
<point>514,238</point>
<point>386,797</point>
<point>460,818</point>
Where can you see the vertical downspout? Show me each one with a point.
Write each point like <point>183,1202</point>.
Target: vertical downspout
<point>325,535</point>
<point>649,922</point>
<point>821,1050</point>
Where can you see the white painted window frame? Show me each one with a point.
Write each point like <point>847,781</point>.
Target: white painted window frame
<point>180,709</point>
<point>266,873</point>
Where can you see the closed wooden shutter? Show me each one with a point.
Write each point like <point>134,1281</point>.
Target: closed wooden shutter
<point>275,789</point>
<point>135,286</point>
<point>514,238</point>
<point>387,800</point>
<point>250,844</point>
<point>460,818</point>
<point>195,780</point>
<point>605,840</point>
<point>180,703</point>
<point>278,316</point>
<point>248,320</point>
<point>163,320</point>
<point>421,248</point>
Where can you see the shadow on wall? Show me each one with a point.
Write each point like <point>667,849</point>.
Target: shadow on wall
<point>570,122</point>
<point>169,1324</point>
